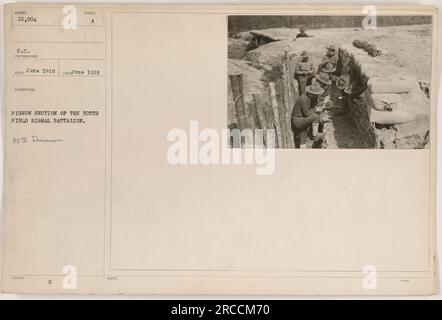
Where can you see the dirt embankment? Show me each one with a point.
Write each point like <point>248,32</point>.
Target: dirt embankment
<point>398,45</point>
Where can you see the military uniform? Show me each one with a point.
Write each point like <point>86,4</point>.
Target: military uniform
<point>303,78</point>
<point>332,60</point>
<point>303,116</point>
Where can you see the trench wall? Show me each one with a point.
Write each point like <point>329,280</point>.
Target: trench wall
<point>360,113</point>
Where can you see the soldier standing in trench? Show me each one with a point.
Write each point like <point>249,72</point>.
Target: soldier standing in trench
<point>324,81</point>
<point>330,58</point>
<point>304,72</point>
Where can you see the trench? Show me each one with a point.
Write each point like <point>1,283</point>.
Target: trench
<point>351,125</point>
<point>340,132</point>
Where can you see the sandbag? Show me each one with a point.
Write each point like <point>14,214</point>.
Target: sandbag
<point>370,48</point>
<point>367,99</point>
<point>390,117</point>
<point>387,97</point>
<point>389,85</point>
<point>381,101</point>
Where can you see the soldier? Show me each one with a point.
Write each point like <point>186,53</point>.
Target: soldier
<point>324,81</point>
<point>304,71</point>
<point>302,33</point>
<point>304,114</point>
<point>331,57</point>
<point>330,70</point>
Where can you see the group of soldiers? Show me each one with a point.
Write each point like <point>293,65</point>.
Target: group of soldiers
<point>313,86</point>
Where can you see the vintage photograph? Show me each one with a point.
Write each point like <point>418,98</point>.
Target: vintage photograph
<point>331,81</point>
<point>155,150</point>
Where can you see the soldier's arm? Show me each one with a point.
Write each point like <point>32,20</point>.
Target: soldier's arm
<point>306,110</point>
